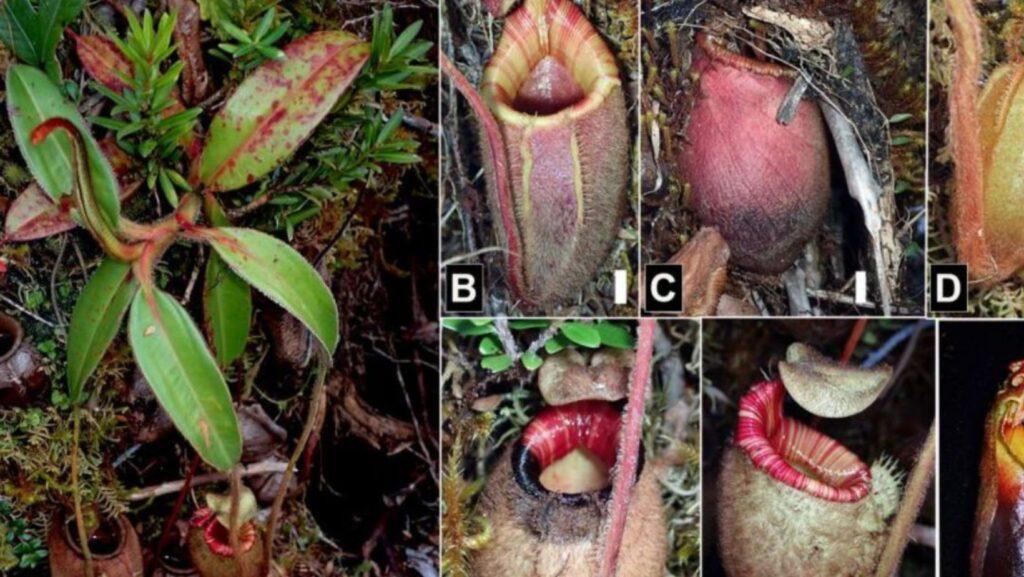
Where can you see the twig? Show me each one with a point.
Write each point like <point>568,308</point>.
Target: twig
<point>796,288</point>
<point>319,397</point>
<point>83,537</point>
<point>629,450</point>
<point>341,230</point>
<point>865,190</point>
<point>508,342</point>
<point>261,468</point>
<point>913,498</point>
<point>25,311</point>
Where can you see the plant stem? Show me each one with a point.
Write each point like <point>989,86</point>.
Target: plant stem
<point>83,537</point>
<point>853,339</point>
<point>236,491</point>
<point>319,397</point>
<point>913,498</point>
<point>629,449</point>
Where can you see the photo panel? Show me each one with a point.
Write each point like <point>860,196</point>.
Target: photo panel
<point>975,189</point>
<point>539,199</point>
<point>542,425</point>
<point>783,155</point>
<point>818,447</point>
<point>980,450</point>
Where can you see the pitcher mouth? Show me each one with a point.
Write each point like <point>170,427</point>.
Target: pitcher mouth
<point>549,62</point>
<point>590,427</point>
<point>11,334</point>
<point>794,453</point>
<point>106,540</point>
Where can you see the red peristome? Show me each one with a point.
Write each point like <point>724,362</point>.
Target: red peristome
<point>218,537</point>
<point>103,60</point>
<point>764,185</point>
<point>784,448</point>
<point>556,431</point>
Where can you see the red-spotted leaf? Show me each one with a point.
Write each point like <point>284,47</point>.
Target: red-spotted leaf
<point>32,99</point>
<point>277,107</point>
<point>96,320</point>
<point>34,215</point>
<point>173,357</point>
<point>103,60</point>
<point>276,270</point>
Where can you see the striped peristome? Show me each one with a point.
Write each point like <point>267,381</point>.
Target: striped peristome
<point>794,453</point>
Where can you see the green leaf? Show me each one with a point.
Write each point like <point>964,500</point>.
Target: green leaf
<point>276,270</point>
<point>532,361</point>
<point>32,34</point>
<point>96,320</point>
<point>277,107</point>
<point>584,335</point>
<point>227,310</point>
<point>524,324</point>
<point>496,363</point>
<point>32,99</point>
<point>555,344</point>
<point>467,328</point>
<point>615,336</point>
<point>170,351</point>
<point>490,345</point>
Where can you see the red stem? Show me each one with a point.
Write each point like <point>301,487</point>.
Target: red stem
<point>629,449</point>
<point>179,502</point>
<point>496,146</point>
<point>854,338</point>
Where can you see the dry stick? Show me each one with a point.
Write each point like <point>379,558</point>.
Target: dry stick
<point>269,467</point>
<point>629,449</point>
<point>864,189</point>
<point>319,398</point>
<point>913,498</point>
<point>83,537</point>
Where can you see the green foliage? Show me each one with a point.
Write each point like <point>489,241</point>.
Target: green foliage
<point>33,98</point>
<point>35,455</point>
<point>250,48</point>
<point>147,119</point>
<point>396,61</point>
<point>172,355</point>
<point>241,13</point>
<point>20,548</point>
<point>96,320</point>
<point>577,334</point>
<point>283,275</point>
<point>32,30</point>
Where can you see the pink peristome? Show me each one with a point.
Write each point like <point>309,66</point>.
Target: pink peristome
<point>775,443</point>
<point>765,185</point>
<point>556,431</point>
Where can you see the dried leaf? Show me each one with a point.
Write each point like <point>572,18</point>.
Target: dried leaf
<point>33,215</point>
<point>103,60</point>
<point>195,82</point>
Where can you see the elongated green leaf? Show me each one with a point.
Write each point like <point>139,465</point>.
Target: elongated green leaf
<point>227,310</point>
<point>276,270</point>
<point>96,319</point>
<point>277,107</point>
<point>32,99</point>
<point>173,357</point>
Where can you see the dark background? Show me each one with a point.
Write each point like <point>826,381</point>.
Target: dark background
<point>973,361</point>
